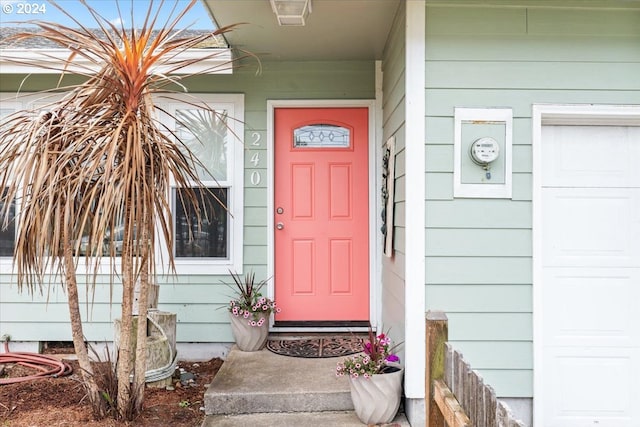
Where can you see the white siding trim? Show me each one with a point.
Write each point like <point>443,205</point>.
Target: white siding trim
<point>51,61</point>
<point>628,115</point>
<point>374,153</point>
<point>415,200</point>
<point>376,302</point>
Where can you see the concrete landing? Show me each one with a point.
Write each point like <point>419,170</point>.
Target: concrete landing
<point>261,381</point>
<point>265,389</point>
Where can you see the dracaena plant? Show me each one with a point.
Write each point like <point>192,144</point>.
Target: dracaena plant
<point>101,158</point>
<point>377,351</point>
<point>248,302</point>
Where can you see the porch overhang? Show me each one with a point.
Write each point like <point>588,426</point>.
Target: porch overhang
<point>335,30</point>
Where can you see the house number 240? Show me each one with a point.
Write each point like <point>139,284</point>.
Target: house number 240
<point>256,178</point>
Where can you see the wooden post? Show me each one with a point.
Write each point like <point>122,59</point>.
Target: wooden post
<point>437,336</point>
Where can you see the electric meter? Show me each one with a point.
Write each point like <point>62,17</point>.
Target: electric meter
<point>484,151</point>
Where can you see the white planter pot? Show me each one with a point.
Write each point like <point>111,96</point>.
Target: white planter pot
<point>376,399</point>
<point>249,338</point>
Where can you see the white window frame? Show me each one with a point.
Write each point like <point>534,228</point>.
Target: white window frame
<point>234,105</point>
<point>17,102</point>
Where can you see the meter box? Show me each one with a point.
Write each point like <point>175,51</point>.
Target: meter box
<point>482,152</point>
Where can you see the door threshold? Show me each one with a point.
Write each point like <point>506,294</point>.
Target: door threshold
<point>320,326</point>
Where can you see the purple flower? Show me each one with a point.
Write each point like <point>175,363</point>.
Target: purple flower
<point>392,358</point>
<point>367,348</point>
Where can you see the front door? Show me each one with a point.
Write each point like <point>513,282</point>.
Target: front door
<point>321,214</point>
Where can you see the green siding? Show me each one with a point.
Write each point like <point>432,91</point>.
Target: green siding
<point>393,124</point>
<point>478,251</point>
<point>497,213</point>
<point>197,299</point>
<point>490,327</point>
<point>478,242</point>
<point>498,298</point>
<point>498,355</point>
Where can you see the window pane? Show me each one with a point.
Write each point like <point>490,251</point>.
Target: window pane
<point>211,238</point>
<point>206,134</point>
<point>321,135</point>
<point>8,234</point>
<point>108,248</point>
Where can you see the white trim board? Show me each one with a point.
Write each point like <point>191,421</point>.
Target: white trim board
<point>51,61</point>
<point>374,203</point>
<point>615,115</point>
<point>415,135</point>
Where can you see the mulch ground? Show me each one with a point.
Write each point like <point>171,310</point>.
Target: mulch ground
<point>61,401</point>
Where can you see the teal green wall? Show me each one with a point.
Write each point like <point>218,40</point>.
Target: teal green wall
<point>198,300</point>
<point>478,251</point>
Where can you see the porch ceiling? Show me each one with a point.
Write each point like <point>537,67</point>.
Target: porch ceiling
<point>335,30</point>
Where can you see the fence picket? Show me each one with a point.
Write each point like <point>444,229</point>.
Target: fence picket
<point>478,404</point>
<point>491,403</point>
<point>478,392</point>
<point>449,366</point>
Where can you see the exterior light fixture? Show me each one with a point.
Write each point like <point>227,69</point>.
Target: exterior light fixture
<point>291,12</point>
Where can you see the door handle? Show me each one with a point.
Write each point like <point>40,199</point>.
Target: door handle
<point>280,226</point>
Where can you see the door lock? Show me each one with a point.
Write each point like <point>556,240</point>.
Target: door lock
<point>280,226</point>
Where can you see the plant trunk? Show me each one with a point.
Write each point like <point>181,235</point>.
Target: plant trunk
<point>125,362</point>
<point>86,370</point>
<point>141,339</point>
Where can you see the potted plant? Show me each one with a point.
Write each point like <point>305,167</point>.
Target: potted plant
<point>249,312</point>
<point>375,379</point>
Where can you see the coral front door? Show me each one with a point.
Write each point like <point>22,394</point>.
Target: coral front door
<point>321,214</point>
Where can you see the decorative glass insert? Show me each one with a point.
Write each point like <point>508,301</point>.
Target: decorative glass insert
<point>210,239</point>
<point>206,134</point>
<point>321,136</point>
<point>8,233</point>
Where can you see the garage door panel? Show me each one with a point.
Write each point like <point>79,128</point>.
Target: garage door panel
<point>591,156</point>
<point>591,227</point>
<point>606,397</point>
<point>589,281</point>
<point>594,307</point>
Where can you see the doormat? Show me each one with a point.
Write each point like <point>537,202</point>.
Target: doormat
<point>316,347</point>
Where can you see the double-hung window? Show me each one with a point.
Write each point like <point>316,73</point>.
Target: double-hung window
<point>213,244</point>
<point>214,136</point>
<point>7,228</point>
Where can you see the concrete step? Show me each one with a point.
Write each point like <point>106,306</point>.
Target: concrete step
<point>263,382</point>
<point>295,419</point>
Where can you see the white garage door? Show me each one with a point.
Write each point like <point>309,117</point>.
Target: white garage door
<point>590,276</point>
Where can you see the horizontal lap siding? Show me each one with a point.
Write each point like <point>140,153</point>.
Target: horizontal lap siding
<point>478,251</point>
<point>198,300</point>
<point>393,124</point>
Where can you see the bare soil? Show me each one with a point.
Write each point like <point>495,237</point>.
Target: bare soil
<point>61,401</point>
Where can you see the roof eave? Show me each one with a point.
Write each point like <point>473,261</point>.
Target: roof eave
<point>50,61</point>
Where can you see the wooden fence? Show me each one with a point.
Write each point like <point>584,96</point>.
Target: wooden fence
<point>456,394</point>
